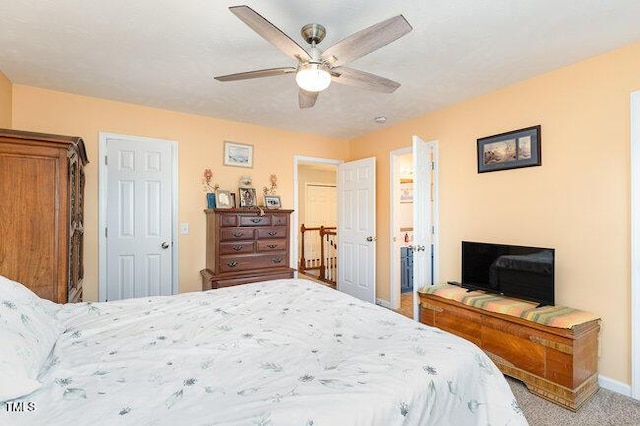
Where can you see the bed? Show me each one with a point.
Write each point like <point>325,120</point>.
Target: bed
<point>285,352</point>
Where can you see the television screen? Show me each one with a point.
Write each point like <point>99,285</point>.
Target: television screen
<point>515,271</point>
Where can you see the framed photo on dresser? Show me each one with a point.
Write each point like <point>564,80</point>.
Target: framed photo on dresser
<point>247,197</point>
<point>224,200</point>
<point>272,201</point>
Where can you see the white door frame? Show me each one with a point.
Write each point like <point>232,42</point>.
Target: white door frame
<point>102,209</point>
<point>295,220</point>
<point>394,196</point>
<point>635,244</point>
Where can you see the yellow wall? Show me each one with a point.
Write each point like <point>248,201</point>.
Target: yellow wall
<point>577,201</point>
<point>200,145</point>
<point>5,101</point>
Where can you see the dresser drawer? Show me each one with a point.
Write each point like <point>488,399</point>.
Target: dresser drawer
<point>244,263</point>
<point>235,234</point>
<point>279,232</point>
<point>229,220</point>
<point>238,247</point>
<point>279,220</point>
<point>255,220</point>
<point>272,245</point>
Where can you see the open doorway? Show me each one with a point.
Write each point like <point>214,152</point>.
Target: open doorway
<point>414,217</point>
<point>315,219</point>
<point>402,230</point>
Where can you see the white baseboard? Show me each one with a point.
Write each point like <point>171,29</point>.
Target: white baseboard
<point>383,303</point>
<point>614,385</point>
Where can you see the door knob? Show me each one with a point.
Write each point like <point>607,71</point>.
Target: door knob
<point>164,245</point>
<point>419,248</point>
<point>370,238</point>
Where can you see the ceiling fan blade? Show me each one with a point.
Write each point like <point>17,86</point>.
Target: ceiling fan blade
<point>363,80</point>
<point>256,74</point>
<point>269,32</point>
<point>366,41</point>
<point>307,99</point>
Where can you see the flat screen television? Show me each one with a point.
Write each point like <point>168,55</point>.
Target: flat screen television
<point>515,271</point>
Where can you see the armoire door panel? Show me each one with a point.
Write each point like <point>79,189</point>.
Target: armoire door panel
<point>41,196</point>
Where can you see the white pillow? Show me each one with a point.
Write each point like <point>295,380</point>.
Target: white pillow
<point>28,332</point>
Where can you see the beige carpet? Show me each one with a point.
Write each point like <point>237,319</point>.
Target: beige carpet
<point>604,408</point>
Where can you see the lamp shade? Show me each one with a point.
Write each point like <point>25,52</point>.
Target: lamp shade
<point>313,77</point>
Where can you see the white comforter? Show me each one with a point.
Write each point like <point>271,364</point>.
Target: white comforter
<point>287,352</point>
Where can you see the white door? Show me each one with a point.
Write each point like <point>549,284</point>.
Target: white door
<point>424,213</point>
<point>139,196</point>
<point>356,229</point>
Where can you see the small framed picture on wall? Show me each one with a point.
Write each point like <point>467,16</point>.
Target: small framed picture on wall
<point>510,150</point>
<point>238,154</point>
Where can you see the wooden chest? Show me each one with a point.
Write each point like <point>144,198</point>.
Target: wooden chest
<point>245,246</point>
<point>558,364</point>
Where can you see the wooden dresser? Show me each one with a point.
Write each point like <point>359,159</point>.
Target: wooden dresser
<point>245,247</point>
<point>558,364</point>
<point>41,212</point>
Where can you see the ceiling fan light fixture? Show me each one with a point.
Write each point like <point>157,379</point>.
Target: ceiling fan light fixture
<point>313,77</point>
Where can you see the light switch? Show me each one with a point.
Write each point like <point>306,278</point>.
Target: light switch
<point>184,228</point>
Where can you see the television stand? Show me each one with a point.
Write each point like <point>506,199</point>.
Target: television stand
<point>556,363</point>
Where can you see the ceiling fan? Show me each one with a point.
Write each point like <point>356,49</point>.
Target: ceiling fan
<point>316,69</point>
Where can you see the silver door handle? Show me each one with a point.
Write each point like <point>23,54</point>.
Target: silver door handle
<point>372,238</point>
<point>164,245</point>
<point>419,248</point>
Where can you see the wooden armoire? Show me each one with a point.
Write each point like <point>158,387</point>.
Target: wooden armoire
<point>42,184</point>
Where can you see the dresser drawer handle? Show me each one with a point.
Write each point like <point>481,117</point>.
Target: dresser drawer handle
<point>273,233</point>
<point>237,248</point>
<point>238,234</point>
<point>232,264</point>
<point>272,246</point>
<point>256,220</point>
<point>276,259</point>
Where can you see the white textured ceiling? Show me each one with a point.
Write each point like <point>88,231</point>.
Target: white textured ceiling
<point>165,53</point>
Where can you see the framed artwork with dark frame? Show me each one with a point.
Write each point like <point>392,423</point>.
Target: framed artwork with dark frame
<point>238,154</point>
<point>247,197</point>
<point>272,201</point>
<point>223,199</point>
<point>510,150</point>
